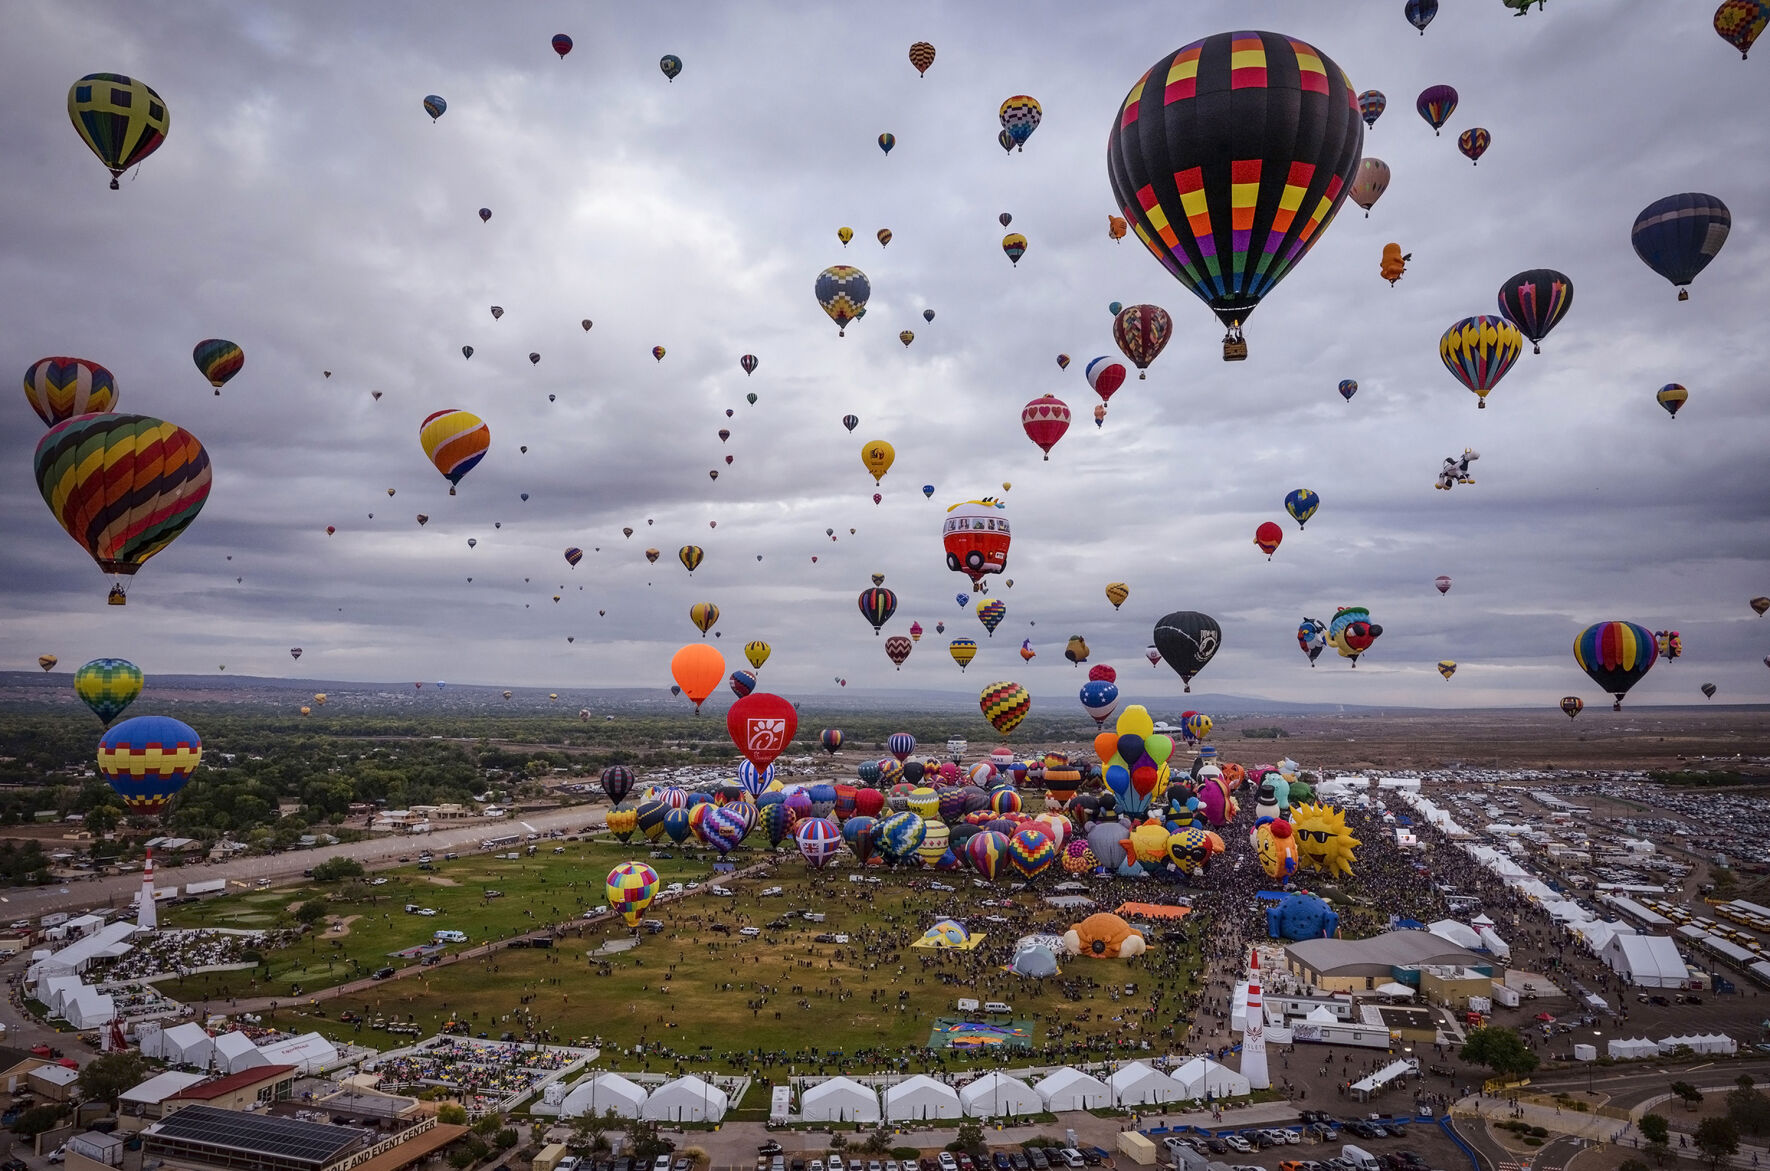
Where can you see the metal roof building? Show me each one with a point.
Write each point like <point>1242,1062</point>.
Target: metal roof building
<point>209,1137</point>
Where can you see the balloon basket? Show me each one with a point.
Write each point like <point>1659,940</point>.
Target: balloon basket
<point>1235,351</point>
<point>117,597</point>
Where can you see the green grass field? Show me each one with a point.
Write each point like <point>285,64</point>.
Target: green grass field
<point>694,990</point>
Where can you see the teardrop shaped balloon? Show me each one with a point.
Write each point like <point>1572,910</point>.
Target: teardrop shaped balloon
<point>454,441</point>
<point>219,360</point>
<point>122,486</point>
<point>1230,157</point>
<point>1677,236</point>
<point>842,290</point>
<point>1142,332</point>
<point>108,687</point>
<point>60,388</point>
<point>1617,655</point>
<point>1535,301</point>
<point>120,119</point>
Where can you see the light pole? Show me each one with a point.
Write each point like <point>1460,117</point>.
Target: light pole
<point>1597,1036</point>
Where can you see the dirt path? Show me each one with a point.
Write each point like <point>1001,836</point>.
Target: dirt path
<point>341,928</point>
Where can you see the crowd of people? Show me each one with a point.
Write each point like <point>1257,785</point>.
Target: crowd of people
<point>483,1073</point>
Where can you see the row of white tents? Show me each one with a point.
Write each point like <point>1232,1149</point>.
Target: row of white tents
<point>1627,1048</point>
<point>76,1002</point>
<point>994,1095</point>
<point>191,1044</point>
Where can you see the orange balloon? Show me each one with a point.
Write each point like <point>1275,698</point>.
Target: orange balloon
<point>1105,744</point>
<point>698,669</point>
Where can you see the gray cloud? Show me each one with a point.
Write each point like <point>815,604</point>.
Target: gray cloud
<point>305,206</point>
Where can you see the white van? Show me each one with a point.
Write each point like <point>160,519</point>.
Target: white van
<point>1360,1158</point>
<point>996,1006</point>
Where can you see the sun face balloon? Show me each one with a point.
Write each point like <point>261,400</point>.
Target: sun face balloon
<point>1323,841</point>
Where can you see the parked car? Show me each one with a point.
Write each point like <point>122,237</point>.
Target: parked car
<point>945,1159</point>
<point>1218,1145</point>
<point>1238,1144</point>
<point>1036,1156</point>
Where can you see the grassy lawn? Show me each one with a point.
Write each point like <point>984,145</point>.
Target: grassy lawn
<point>764,1003</point>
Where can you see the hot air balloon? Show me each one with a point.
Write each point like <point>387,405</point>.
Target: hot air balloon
<point>467,351</point>
<point>1478,351</point>
<point>1229,157</point>
<point>1268,536</point>
<point>1020,116</point>
<point>1394,263</point>
<point>1371,104</point>
<point>1670,645</point>
<point>1677,236</point>
<point>1351,632</point>
<point>1348,388</point>
<point>1369,182</point>
<point>573,555</point>
<point>691,557</point>
<point>742,683</point>
<point>1142,332</point>
<point>1004,705</point>
<point>1447,668</point>
<point>1104,376</point>
<point>1737,21</point>
<point>632,886</point>
<point>1474,143</point>
<point>1027,654</point>
<point>1420,13</point>
<point>121,120</point>
<point>1116,227</point>
<point>60,388</point>
<point>122,486</point>
<point>147,760</point>
<point>219,360</point>
<point>562,45</point>
<point>878,456</point>
<point>1153,654</point>
<point>434,106</point>
<point>107,686</point>
<point>1076,650</point>
<point>1535,301</point>
<point>963,650</point>
<point>1045,420</point>
<point>1671,396</point>
<point>697,669</point>
<point>1014,247</point>
<point>485,215</point>
<point>851,422</point>
<point>47,662</point>
<point>897,649</point>
<point>1708,690</point>
<point>757,653</point>
<point>1301,503</point>
<point>990,612</point>
<point>1616,655</point>
<point>671,65</point>
<point>921,56</point>
<point>1442,582</point>
<point>617,782</point>
<point>652,555</point>
<point>455,441</point>
<point>705,615</point>
<point>657,352</point>
<point>1436,104</point>
<point>843,290</point>
<point>877,605</point>
<point>886,142</point>
<point>1312,638</point>
<point>1117,592</point>
<point>1005,141</point>
<point>1572,705</point>
<point>1187,640</point>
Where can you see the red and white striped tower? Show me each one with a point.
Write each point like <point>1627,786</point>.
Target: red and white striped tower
<point>1253,1038</point>
<point>146,912</point>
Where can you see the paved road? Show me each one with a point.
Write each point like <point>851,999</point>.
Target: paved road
<point>35,902</point>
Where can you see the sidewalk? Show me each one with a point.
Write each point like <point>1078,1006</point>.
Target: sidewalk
<point>1598,1128</point>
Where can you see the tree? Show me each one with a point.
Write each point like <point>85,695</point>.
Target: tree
<point>310,911</point>
<point>1686,1093</point>
<point>645,1142</point>
<point>107,1076</point>
<point>104,819</point>
<point>505,1138</point>
<point>970,1137</point>
<point>1717,1138</point>
<point>1747,1109</point>
<point>38,1119</point>
<point>337,869</point>
<point>451,1114</point>
<point>1501,1050</point>
<point>1632,1165</point>
<point>1658,1133</point>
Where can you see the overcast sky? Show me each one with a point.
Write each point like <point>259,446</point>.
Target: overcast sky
<point>305,206</point>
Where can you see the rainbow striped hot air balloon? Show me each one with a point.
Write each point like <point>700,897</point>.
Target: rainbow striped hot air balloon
<point>148,759</point>
<point>123,486</point>
<point>219,360</point>
<point>1616,655</point>
<point>455,441</point>
<point>631,887</point>
<point>60,388</point>
<point>1031,852</point>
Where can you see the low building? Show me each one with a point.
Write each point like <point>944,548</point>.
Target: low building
<point>1360,965</point>
<point>143,1104</point>
<point>52,1083</point>
<point>92,1151</point>
<point>1451,987</point>
<point>208,1137</point>
<point>259,1085</point>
